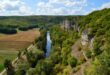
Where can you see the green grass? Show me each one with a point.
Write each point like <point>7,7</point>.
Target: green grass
<point>5,54</point>
<point>1,67</point>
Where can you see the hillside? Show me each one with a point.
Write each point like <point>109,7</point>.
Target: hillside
<point>98,25</point>
<point>10,24</point>
<point>31,20</point>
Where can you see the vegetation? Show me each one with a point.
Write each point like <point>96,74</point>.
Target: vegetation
<point>9,24</point>
<point>60,60</point>
<point>99,27</point>
<point>6,55</point>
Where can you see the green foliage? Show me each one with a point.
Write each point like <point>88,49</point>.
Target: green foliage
<point>22,68</point>
<point>101,65</point>
<point>72,61</point>
<point>41,41</point>
<point>97,70</point>
<point>1,67</point>
<point>98,25</point>
<point>34,56</point>
<point>7,30</point>
<point>88,53</point>
<point>24,28</point>
<point>9,67</point>
<point>44,67</point>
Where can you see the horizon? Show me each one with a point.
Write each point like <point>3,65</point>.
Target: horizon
<point>51,7</point>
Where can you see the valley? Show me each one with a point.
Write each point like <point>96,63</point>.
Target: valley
<point>60,45</point>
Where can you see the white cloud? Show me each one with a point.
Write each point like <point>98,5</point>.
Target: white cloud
<point>106,5</point>
<point>14,7</point>
<point>50,7</point>
<point>61,7</point>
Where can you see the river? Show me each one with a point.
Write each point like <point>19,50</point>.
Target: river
<point>48,44</point>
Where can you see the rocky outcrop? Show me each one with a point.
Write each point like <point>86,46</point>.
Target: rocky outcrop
<point>84,37</point>
<point>66,25</point>
<point>91,43</point>
<point>76,28</point>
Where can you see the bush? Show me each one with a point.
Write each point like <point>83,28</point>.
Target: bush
<point>27,27</point>
<point>44,67</point>
<point>7,30</point>
<point>72,61</point>
<point>88,53</point>
<point>34,56</point>
<point>9,67</point>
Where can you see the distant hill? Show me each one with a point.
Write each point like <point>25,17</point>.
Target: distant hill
<point>9,24</point>
<point>31,20</point>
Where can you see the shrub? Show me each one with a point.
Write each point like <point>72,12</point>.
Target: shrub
<point>88,53</point>
<point>72,61</point>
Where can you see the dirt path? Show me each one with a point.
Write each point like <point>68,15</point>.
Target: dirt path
<point>78,54</point>
<point>75,50</point>
<point>83,66</point>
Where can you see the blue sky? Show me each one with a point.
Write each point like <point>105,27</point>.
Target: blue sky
<point>51,7</point>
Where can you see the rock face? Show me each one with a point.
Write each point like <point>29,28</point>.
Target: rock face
<point>91,43</point>
<point>84,37</point>
<point>76,28</point>
<point>66,25</point>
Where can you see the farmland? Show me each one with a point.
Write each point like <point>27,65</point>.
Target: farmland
<point>11,44</point>
<point>18,41</point>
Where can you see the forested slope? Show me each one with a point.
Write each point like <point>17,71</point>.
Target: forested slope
<point>98,25</point>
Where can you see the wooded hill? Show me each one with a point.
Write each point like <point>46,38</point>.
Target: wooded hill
<point>11,23</point>
<point>98,25</point>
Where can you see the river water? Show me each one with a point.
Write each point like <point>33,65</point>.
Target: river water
<point>48,44</point>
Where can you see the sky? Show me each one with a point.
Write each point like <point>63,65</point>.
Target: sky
<point>51,7</point>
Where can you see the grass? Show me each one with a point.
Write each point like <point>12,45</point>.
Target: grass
<point>5,54</point>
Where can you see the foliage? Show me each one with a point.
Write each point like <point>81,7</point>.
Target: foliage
<point>72,61</point>
<point>9,67</point>
<point>7,30</point>
<point>98,25</point>
<point>88,53</point>
<point>34,56</point>
<point>41,41</point>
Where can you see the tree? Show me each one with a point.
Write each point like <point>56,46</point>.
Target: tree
<point>34,56</point>
<point>9,67</point>
<point>44,67</point>
<point>72,61</point>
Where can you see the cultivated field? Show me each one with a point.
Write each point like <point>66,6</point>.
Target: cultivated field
<point>10,44</point>
<point>18,41</point>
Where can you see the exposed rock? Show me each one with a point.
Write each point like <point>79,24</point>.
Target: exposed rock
<point>66,24</point>
<point>91,43</point>
<point>84,37</point>
<point>76,28</point>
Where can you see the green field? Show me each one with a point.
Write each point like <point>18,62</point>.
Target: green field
<point>5,54</point>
